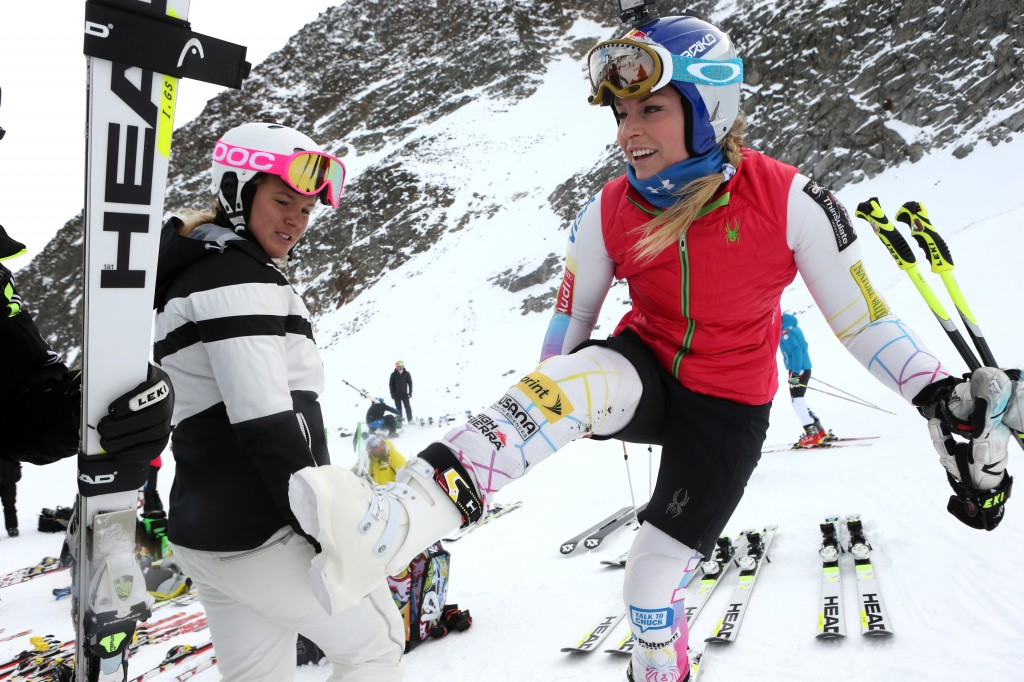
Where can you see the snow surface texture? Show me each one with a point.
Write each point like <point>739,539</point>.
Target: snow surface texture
<point>951,593</point>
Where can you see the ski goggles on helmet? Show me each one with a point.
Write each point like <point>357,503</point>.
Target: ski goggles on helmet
<point>631,68</point>
<point>308,172</point>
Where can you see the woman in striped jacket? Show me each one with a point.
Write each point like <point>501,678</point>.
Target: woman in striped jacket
<point>238,344</point>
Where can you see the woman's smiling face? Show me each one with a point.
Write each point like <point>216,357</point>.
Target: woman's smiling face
<point>652,131</point>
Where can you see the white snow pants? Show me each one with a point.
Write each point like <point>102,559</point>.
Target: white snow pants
<point>657,573</point>
<point>258,600</point>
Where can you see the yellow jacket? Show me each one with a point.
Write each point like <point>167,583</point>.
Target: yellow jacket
<point>383,469</point>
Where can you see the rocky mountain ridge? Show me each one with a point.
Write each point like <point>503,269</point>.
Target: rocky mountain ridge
<point>841,90</point>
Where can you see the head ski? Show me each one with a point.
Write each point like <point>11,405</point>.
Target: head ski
<point>831,622</point>
<point>874,619</point>
<point>749,563</point>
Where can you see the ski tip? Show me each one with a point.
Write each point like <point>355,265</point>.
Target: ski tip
<point>830,635</point>
<point>877,633</point>
<point>718,640</point>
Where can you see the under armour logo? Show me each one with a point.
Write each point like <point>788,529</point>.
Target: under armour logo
<point>665,185</point>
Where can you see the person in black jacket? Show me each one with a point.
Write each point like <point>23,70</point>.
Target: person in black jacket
<point>235,336</point>
<point>41,400</point>
<point>401,389</point>
<point>377,417</point>
<point>40,404</point>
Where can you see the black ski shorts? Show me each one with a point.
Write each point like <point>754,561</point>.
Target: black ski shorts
<point>710,447</point>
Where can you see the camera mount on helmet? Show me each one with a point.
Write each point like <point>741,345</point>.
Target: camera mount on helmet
<point>636,13</point>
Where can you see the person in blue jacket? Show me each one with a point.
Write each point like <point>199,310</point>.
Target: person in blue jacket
<point>798,361</point>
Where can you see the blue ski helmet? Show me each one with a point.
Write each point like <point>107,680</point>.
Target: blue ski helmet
<point>711,107</point>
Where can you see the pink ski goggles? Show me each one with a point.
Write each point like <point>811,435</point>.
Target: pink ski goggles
<point>307,173</point>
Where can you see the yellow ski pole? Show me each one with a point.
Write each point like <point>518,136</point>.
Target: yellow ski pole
<point>900,251</point>
<point>913,213</point>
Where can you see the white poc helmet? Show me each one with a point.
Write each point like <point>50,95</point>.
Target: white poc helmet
<point>231,181</point>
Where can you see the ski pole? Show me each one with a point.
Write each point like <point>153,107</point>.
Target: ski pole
<point>841,397</point>
<point>913,213</point>
<point>900,251</point>
<point>938,254</point>
<point>360,391</point>
<point>836,388</point>
<point>629,477</point>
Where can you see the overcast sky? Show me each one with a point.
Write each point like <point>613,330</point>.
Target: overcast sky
<point>42,76</point>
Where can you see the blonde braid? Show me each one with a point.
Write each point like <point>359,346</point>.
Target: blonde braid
<point>667,229</point>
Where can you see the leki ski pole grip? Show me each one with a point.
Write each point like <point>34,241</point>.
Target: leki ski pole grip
<point>898,247</point>
<point>914,215</point>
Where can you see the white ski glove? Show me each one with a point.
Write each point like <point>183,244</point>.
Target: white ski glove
<point>974,408</point>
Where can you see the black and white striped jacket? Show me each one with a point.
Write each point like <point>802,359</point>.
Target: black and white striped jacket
<point>237,343</point>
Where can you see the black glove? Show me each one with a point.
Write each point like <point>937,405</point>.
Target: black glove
<point>973,408</point>
<point>139,422</point>
<point>48,416</point>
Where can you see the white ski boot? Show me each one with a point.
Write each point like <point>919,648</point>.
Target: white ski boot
<point>364,530</point>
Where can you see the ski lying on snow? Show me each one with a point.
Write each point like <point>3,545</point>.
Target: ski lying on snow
<point>617,562</point>
<point>7,638</point>
<point>570,545</point>
<point>833,443</point>
<point>596,635</point>
<point>182,600</point>
<point>749,563</point>
<point>175,656</point>
<point>712,572</point>
<point>624,647</point>
<point>874,619</point>
<point>197,668</point>
<point>49,654</point>
<point>831,622</point>
<point>593,541</point>
<point>45,566</point>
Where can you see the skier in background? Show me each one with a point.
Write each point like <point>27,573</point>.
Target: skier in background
<point>707,234</point>
<point>377,417</point>
<point>400,384</point>
<point>236,337</point>
<point>798,362</point>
